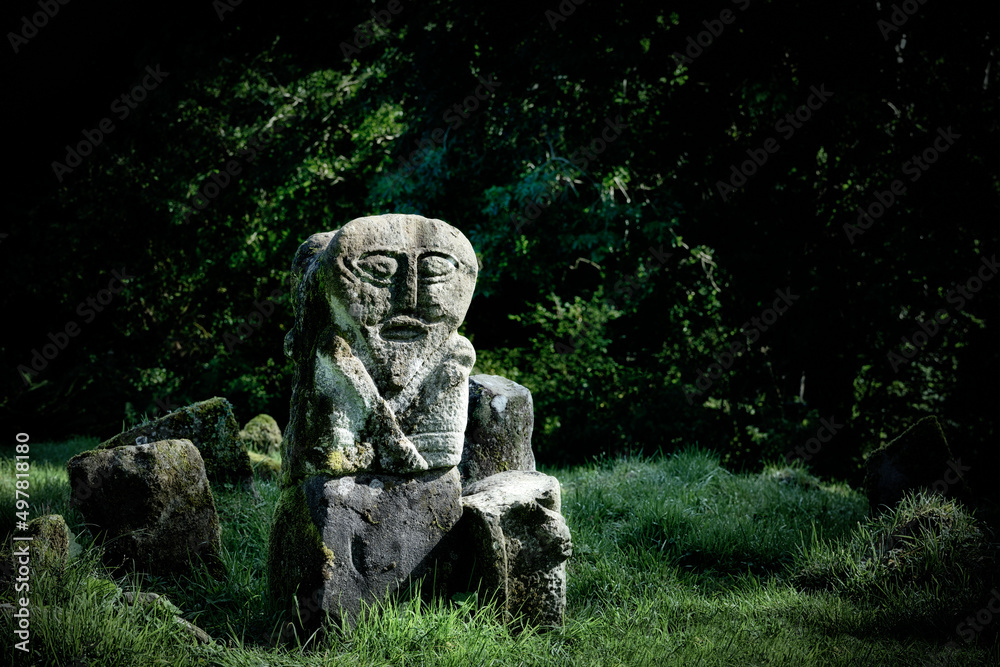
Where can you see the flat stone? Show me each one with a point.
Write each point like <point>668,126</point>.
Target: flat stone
<point>498,433</point>
<point>512,531</point>
<point>213,429</point>
<point>340,542</point>
<point>150,505</point>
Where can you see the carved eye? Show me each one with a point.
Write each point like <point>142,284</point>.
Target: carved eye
<point>435,268</point>
<point>378,268</point>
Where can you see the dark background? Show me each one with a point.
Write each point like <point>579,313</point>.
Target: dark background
<point>605,379</point>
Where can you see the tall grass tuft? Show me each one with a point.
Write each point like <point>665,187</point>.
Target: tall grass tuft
<point>918,565</point>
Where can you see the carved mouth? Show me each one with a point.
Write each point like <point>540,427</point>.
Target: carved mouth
<point>404,330</point>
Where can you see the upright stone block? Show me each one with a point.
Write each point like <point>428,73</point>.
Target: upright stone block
<point>498,435</point>
<point>210,425</point>
<point>341,542</point>
<point>150,505</point>
<point>378,412</point>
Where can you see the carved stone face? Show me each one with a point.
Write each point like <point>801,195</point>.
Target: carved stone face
<point>400,288</point>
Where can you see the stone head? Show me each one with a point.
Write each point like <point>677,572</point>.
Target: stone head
<point>398,286</point>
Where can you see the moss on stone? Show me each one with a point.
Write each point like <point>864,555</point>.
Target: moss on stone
<point>335,462</point>
<point>151,505</point>
<point>264,465</point>
<point>297,557</point>
<point>52,541</point>
<point>210,425</point>
<point>261,434</point>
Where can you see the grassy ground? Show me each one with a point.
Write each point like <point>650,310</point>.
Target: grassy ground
<point>676,561</point>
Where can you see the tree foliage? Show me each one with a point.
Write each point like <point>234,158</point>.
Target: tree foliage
<point>587,176</point>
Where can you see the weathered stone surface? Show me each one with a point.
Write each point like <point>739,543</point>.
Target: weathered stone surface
<point>150,504</point>
<point>262,434</point>
<point>498,434</point>
<point>380,415</point>
<point>341,541</point>
<point>210,425</point>
<point>381,379</point>
<point>512,530</point>
<point>919,458</point>
<point>52,542</point>
<point>50,548</point>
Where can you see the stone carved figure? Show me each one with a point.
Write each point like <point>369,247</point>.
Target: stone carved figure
<point>372,493</point>
<point>378,306</point>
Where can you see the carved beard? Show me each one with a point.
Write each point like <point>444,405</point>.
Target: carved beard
<point>399,291</point>
<point>400,349</point>
<point>395,351</point>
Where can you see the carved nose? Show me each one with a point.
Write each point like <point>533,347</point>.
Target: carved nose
<point>406,298</point>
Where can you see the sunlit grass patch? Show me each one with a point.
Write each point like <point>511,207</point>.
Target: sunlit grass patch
<point>676,561</point>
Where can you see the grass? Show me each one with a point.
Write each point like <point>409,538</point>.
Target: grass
<point>676,561</point>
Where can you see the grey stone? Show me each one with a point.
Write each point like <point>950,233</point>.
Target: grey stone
<point>339,542</point>
<point>52,541</point>
<point>50,548</point>
<point>380,415</point>
<point>512,530</point>
<point>498,434</point>
<point>918,459</point>
<point>150,505</point>
<point>381,375</point>
<point>262,434</point>
<point>213,429</point>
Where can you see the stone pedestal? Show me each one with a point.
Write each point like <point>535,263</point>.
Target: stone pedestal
<point>515,544</point>
<point>340,542</point>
